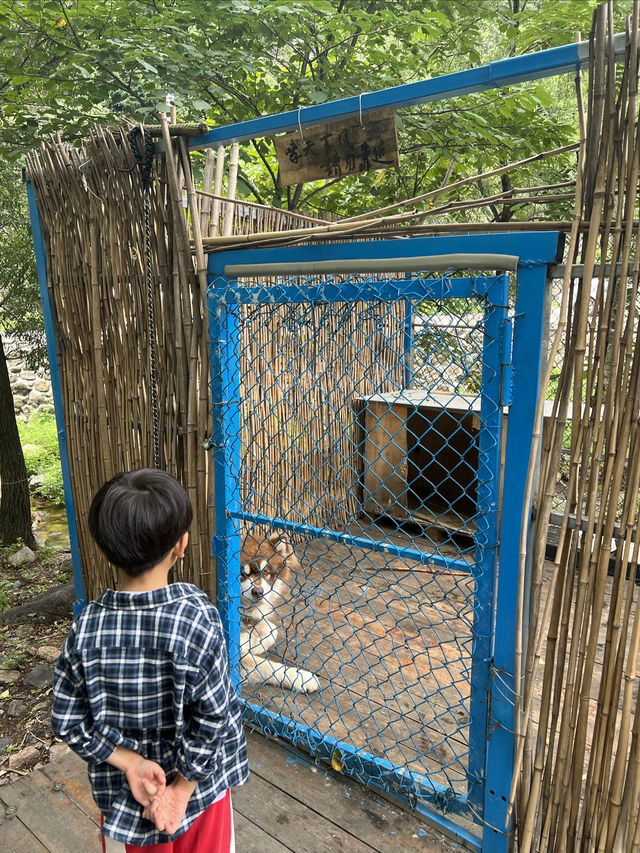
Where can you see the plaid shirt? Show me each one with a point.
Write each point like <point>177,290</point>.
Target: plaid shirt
<point>148,671</point>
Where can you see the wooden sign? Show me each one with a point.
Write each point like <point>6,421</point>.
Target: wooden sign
<point>338,149</point>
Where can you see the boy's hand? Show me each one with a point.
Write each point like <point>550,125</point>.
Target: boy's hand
<point>167,808</point>
<point>146,778</point>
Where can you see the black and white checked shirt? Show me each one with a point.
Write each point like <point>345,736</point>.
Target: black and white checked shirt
<point>148,671</point>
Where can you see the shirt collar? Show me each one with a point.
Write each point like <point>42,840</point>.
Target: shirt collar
<point>118,600</point>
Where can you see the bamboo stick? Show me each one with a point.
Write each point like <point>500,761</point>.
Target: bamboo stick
<point>540,533</point>
<point>214,226</point>
<point>232,178</point>
<point>294,214</point>
<point>432,194</point>
<point>205,198</point>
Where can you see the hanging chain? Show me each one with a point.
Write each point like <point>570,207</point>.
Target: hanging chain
<point>152,332</point>
<point>144,159</point>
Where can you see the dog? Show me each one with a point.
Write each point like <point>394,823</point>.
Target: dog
<point>268,564</point>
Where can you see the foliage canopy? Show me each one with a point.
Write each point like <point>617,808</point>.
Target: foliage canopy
<point>66,65</point>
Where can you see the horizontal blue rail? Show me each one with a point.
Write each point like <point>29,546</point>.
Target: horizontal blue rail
<point>372,290</point>
<point>404,784</point>
<point>382,547</point>
<point>505,72</point>
<point>534,247</point>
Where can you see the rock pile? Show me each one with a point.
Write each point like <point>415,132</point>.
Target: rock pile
<point>31,389</point>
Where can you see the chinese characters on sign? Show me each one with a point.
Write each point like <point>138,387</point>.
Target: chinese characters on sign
<point>338,149</point>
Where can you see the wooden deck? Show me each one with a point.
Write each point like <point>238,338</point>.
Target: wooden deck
<point>287,806</point>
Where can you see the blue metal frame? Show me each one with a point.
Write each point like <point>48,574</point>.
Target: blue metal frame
<point>492,743</point>
<point>528,337</point>
<point>225,379</point>
<point>56,390</point>
<point>517,69</point>
<point>489,443</point>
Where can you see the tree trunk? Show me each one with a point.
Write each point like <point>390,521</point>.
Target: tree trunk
<point>15,508</point>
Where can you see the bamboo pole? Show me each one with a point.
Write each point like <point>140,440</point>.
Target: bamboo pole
<point>214,226</point>
<point>432,194</point>
<point>544,514</point>
<point>232,178</point>
<point>205,194</point>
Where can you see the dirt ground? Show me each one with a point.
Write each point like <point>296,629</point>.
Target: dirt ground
<point>28,652</point>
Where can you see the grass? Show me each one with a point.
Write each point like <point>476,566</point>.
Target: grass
<point>39,438</point>
<point>6,588</point>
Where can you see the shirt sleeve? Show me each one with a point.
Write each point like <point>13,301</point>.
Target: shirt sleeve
<point>71,717</point>
<point>210,713</point>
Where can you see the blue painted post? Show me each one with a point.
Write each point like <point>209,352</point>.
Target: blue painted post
<point>527,353</point>
<point>489,442</point>
<point>225,395</point>
<point>56,389</point>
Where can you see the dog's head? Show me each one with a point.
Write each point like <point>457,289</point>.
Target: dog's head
<point>268,564</point>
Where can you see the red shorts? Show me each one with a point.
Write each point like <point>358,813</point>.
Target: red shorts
<point>211,832</point>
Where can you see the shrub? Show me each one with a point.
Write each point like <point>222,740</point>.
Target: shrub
<point>39,437</point>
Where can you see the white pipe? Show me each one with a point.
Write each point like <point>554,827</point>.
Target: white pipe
<point>376,265</point>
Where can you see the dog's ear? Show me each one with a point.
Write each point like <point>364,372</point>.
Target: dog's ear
<point>249,547</point>
<point>281,544</point>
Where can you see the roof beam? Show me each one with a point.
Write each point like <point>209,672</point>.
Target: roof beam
<point>517,69</point>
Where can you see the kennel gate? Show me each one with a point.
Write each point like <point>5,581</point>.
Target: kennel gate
<point>363,413</point>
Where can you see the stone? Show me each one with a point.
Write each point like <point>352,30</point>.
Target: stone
<point>35,397</point>
<point>38,737</point>
<point>23,759</point>
<point>28,375</point>
<point>4,743</point>
<point>42,385</point>
<point>45,407</point>
<point>35,481</point>
<point>9,676</point>
<point>30,449</point>
<point>58,751</point>
<point>16,708</point>
<point>22,557</point>
<point>21,387</point>
<point>39,677</point>
<point>23,631</point>
<point>48,653</point>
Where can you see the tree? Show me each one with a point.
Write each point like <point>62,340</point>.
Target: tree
<point>19,314</point>
<point>68,64</point>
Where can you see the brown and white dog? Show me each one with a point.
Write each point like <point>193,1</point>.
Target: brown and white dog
<point>269,565</point>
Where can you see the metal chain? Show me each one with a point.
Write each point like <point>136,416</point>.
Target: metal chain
<point>142,147</point>
<point>152,332</point>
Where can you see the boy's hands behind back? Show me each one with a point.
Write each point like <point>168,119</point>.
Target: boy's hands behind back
<point>146,780</point>
<point>168,807</point>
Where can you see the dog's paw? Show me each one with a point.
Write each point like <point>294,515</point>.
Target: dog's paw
<point>305,682</point>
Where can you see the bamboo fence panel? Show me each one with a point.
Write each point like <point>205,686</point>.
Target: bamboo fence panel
<point>578,781</point>
<point>91,202</point>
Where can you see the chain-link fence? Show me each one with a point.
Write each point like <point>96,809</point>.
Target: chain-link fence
<point>358,423</point>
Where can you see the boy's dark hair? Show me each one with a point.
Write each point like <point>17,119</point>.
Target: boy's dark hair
<point>136,518</point>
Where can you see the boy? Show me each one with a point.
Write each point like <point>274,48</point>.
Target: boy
<point>142,689</point>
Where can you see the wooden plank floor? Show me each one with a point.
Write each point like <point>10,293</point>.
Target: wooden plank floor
<point>287,806</point>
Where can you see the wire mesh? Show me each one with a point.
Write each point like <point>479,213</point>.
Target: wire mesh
<point>366,478</point>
